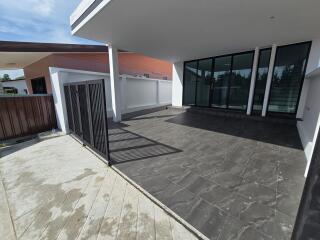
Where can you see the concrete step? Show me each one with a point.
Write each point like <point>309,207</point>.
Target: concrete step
<point>241,115</point>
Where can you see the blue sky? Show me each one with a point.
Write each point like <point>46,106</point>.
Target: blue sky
<point>37,21</point>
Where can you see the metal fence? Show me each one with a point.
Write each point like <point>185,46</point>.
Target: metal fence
<point>87,114</point>
<point>26,115</point>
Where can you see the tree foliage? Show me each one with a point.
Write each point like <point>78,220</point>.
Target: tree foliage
<point>5,77</point>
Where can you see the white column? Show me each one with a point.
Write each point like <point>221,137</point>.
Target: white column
<point>253,80</point>
<point>115,83</point>
<point>57,79</point>
<point>158,92</point>
<point>177,84</point>
<point>123,94</point>
<point>269,79</point>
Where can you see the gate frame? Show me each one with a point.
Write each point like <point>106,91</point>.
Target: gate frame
<point>89,111</point>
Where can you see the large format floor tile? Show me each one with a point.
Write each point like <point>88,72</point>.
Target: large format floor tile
<point>229,178</point>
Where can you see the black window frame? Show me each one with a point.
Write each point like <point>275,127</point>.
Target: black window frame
<point>232,62</point>
<point>37,79</point>
<point>293,114</point>
<point>228,90</point>
<point>196,93</point>
<point>268,113</point>
<point>183,90</point>
<point>212,82</point>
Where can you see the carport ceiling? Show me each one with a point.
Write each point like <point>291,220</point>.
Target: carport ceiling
<point>14,55</point>
<point>177,30</point>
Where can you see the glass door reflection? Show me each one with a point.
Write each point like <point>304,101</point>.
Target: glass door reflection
<point>221,78</point>
<point>204,82</point>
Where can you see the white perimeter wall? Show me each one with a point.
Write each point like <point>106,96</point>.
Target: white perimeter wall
<point>20,85</point>
<point>136,93</point>
<point>309,107</point>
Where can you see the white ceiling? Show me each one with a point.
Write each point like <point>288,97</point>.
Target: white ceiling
<point>177,30</point>
<point>15,60</point>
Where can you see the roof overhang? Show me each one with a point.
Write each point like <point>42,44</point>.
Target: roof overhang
<point>18,60</point>
<point>176,30</point>
<point>15,55</point>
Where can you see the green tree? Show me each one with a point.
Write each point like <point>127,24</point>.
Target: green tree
<point>6,77</point>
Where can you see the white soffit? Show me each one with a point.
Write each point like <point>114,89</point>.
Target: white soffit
<point>14,60</point>
<point>177,30</point>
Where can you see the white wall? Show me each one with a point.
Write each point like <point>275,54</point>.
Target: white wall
<point>20,85</point>
<point>309,127</point>
<point>309,107</point>
<point>136,93</point>
<point>143,93</point>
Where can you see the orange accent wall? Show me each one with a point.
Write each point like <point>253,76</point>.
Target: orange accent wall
<point>129,63</point>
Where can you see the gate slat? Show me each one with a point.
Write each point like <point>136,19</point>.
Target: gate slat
<point>87,115</point>
<point>69,108</point>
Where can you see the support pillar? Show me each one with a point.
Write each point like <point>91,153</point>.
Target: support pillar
<point>253,80</point>
<point>115,83</point>
<point>269,79</point>
<point>177,84</point>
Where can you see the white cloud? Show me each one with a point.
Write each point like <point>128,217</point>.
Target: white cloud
<point>60,35</point>
<point>37,7</point>
<point>37,20</point>
<point>5,29</point>
<point>44,7</point>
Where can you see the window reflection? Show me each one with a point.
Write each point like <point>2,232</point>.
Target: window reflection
<point>261,79</point>
<point>190,79</point>
<point>204,82</point>
<point>221,76</point>
<point>287,79</point>
<point>240,81</point>
<point>224,82</point>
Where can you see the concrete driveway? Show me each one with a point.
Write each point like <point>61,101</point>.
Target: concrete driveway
<point>57,189</point>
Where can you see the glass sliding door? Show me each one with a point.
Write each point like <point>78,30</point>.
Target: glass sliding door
<point>224,81</point>
<point>221,78</point>
<point>190,83</point>
<point>261,79</point>
<point>289,70</point>
<point>240,81</point>
<point>204,82</point>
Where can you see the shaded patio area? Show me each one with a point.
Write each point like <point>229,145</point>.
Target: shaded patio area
<point>229,178</point>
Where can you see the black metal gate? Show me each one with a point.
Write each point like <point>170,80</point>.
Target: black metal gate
<point>87,115</point>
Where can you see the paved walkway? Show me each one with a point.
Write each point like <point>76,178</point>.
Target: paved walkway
<point>57,189</point>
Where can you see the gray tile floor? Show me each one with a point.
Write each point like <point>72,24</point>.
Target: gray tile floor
<point>229,178</point>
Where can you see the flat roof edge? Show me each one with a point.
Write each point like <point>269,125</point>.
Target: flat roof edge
<point>80,16</point>
<point>9,46</point>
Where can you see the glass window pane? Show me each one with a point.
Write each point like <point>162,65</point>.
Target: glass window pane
<point>204,82</point>
<point>240,81</point>
<point>221,76</point>
<point>190,79</point>
<point>261,79</point>
<point>289,68</point>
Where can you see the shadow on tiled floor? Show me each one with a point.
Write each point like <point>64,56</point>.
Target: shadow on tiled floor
<point>262,131</point>
<point>126,146</point>
<point>229,178</point>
